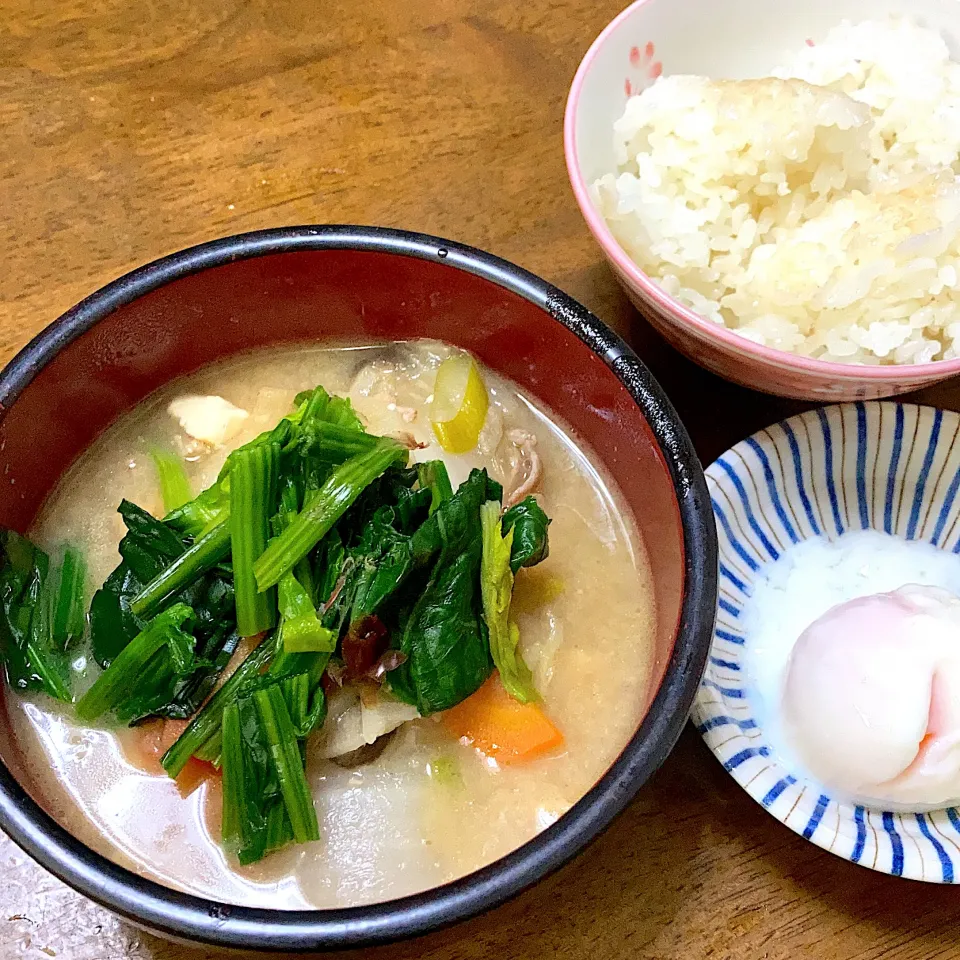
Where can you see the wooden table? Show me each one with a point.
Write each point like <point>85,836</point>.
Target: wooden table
<point>131,130</point>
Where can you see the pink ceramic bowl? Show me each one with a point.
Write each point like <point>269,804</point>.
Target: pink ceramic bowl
<point>730,39</point>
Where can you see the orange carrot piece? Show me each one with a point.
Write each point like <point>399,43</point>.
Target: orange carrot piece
<point>194,773</point>
<point>502,727</point>
<point>145,744</point>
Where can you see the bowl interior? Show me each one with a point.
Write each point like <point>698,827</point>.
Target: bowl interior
<point>730,40</point>
<point>337,294</point>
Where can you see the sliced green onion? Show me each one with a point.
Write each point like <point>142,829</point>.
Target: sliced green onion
<point>285,753</point>
<point>324,509</point>
<point>123,675</point>
<point>174,482</point>
<point>459,406</point>
<point>253,500</point>
<point>69,610</point>
<point>201,557</point>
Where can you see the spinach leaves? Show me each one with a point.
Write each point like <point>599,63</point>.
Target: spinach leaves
<point>32,659</point>
<point>444,636</point>
<point>320,541</point>
<point>529,525</point>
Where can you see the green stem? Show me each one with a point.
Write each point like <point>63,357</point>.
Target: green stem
<point>201,557</point>
<point>285,753</point>
<point>202,737</point>
<point>332,443</point>
<point>433,476</point>
<point>174,482</point>
<point>69,617</point>
<point>233,779</point>
<point>324,509</point>
<point>253,500</point>
<point>123,674</point>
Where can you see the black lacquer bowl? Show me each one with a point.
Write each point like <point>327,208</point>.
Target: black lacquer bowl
<point>309,284</point>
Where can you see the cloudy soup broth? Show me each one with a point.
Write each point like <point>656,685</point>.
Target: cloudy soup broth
<point>403,803</point>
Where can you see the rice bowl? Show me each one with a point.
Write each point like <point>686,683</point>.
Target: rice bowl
<point>816,211</point>
<point>745,38</point>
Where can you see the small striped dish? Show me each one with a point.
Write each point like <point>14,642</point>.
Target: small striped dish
<point>887,466</point>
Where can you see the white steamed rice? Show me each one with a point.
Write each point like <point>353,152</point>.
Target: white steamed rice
<point>816,211</point>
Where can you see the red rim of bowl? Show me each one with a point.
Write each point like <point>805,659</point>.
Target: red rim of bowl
<point>673,307</point>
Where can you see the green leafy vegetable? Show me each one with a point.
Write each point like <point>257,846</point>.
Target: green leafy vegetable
<point>288,763</point>
<point>161,652</point>
<point>29,654</point>
<point>496,587</point>
<point>445,638</point>
<point>434,477</point>
<point>300,629</point>
<point>202,736</point>
<point>266,799</point>
<point>69,614</point>
<point>529,525</point>
<point>253,501</point>
<point>174,482</point>
<point>332,443</point>
<point>202,556</point>
<point>243,827</point>
<point>324,509</point>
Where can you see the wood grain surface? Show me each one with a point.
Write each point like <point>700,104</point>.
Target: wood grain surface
<point>130,130</point>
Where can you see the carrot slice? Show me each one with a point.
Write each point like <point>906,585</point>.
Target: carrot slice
<point>145,744</point>
<point>502,727</point>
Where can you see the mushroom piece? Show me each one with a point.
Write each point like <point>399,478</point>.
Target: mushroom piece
<point>357,720</point>
<point>526,471</point>
<point>364,755</point>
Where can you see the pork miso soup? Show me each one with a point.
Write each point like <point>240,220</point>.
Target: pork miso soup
<point>325,627</point>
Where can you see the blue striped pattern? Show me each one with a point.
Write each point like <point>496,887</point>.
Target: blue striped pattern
<point>892,471</point>
<point>924,475</point>
<point>742,552</point>
<point>761,535</point>
<point>828,469</point>
<point>772,491</point>
<point>862,467</point>
<point>842,468</point>
<point>748,753</point>
<point>729,607</point>
<point>771,795</point>
<point>723,721</point>
<point>798,476</point>
<point>946,508</point>
<point>858,818</point>
<point>726,664</point>
<point>816,816</point>
<point>896,845</point>
<point>946,864</point>
<point>727,573</point>
<point>732,693</point>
